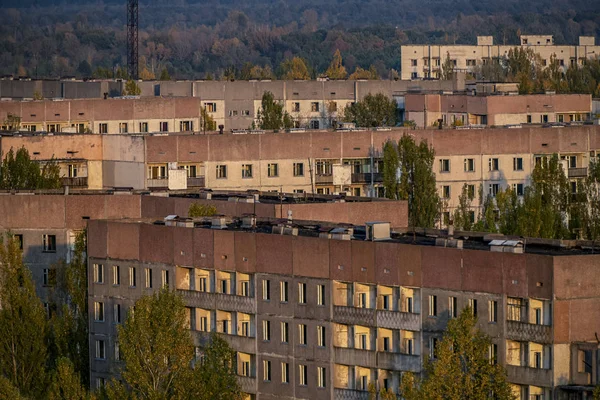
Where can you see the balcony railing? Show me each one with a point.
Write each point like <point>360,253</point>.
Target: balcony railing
<point>350,394</point>
<point>577,172</point>
<point>324,179</point>
<point>157,183</point>
<point>365,177</point>
<point>225,302</point>
<point>352,356</point>
<point>529,376</point>
<point>79,181</point>
<point>524,332</point>
<point>398,361</point>
<point>247,384</point>
<point>354,315</point>
<point>195,182</point>
<point>398,320</point>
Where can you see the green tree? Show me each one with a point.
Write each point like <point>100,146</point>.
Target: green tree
<point>596,393</point>
<point>19,171</point>
<point>294,69</point>
<point>461,369</point>
<point>448,68</point>
<point>372,111</point>
<point>390,170</point>
<point>591,189</point>
<point>271,114</point>
<point>207,122</point>
<point>336,70</point>
<point>201,210</point>
<point>132,88</point>
<point>508,206</point>
<point>85,69</point>
<point>8,390</point>
<point>463,212</point>
<point>65,383</point>
<point>368,74</point>
<point>12,122</point>
<point>164,75</point>
<point>23,324</point>
<point>524,66</point>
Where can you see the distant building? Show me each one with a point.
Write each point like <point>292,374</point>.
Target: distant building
<point>425,61</point>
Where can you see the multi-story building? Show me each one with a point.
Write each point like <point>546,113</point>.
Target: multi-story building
<point>425,61</point>
<point>313,313</point>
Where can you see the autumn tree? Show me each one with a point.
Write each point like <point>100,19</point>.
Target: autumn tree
<point>294,69</point>
<point>591,189</point>
<point>201,210</point>
<point>367,74</point>
<point>65,383</point>
<point>372,111</point>
<point>207,122</point>
<point>448,68</point>
<point>336,70</point>
<point>461,368</point>
<point>132,88</point>
<point>20,172</point>
<point>390,170</point>
<point>271,114</point>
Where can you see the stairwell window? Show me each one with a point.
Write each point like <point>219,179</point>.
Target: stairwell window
<point>285,372</point>
<point>432,306</point>
<point>321,377</point>
<point>266,330</point>
<point>302,334</point>
<point>493,311</point>
<point>303,375</point>
<point>320,295</point>
<point>452,307</point>
<point>49,243</point>
<point>302,293</point>
<point>266,289</point>
<point>321,337</point>
<point>148,278</point>
<point>116,275</point>
<point>285,334</point>
<point>283,287</point>
<point>266,370</point>
<point>98,273</point>
<point>132,277</point>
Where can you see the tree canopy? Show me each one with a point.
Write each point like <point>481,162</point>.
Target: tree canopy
<point>271,114</point>
<point>19,171</point>
<point>372,111</point>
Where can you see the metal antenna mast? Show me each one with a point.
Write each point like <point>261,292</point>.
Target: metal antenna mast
<point>132,39</point>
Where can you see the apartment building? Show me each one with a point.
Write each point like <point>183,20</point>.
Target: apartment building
<point>425,61</point>
<point>324,313</point>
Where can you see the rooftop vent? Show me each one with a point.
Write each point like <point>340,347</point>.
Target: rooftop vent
<point>338,234</point>
<point>506,246</point>
<point>377,231</point>
<point>185,222</point>
<point>449,242</point>
<point>249,221</point>
<point>219,223</point>
<point>171,220</point>
<point>282,229</point>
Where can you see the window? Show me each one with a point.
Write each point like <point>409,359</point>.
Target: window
<point>298,169</point>
<point>245,288</point>
<point>285,372</point>
<point>49,277</point>
<point>302,334</point>
<point>446,192</point>
<point>245,368</point>
<point>224,286</point>
<point>314,124</point>
<point>544,118</point>
<point>518,189</point>
<point>385,301</point>
<point>49,243</point>
<point>103,128</point>
<point>19,239</point>
<point>266,285</point>
<point>132,277</point>
<point>186,126</point>
<point>446,217</point>
<point>413,62</point>
<point>303,375</point>
<point>302,293</point>
<point>493,353</point>
<point>408,345</point>
<point>493,311</point>
<point>537,359</point>
<point>537,316</point>
<point>283,288</point>
<point>204,324</point>
<point>98,311</point>
<point>143,127</point>
<point>203,284</point>
<point>266,370</point>
<point>323,168</point>
<point>361,300</point>
<point>471,63</point>
<point>517,164</point>
<point>272,170</point>
<point>473,306</point>
<point>493,164</point>
<point>100,383</point>
<point>266,330</point>
<point>493,189</point>
<point>314,106</point>
<point>433,344</point>
<point>469,164</point>
<point>246,170</point>
<point>117,313</point>
<point>148,278</point>
<point>445,165</point>
<point>471,191</point>
<point>529,119</point>
<point>296,107</point>
<point>100,350</point>
<point>163,126</point>
<point>432,306</point>
<point>320,295</point>
<point>285,333</point>
<point>414,75</point>
<point>123,127</point>
<point>192,171</point>
<point>233,113</point>
<point>386,344</point>
<point>452,307</point>
<point>211,107</point>
<point>72,171</point>
<point>98,273</point>
<point>321,377</point>
<point>221,171</point>
<point>157,172</point>
<point>117,352</point>
<point>321,339</point>
<point>165,278</point>
<point>116,275</point>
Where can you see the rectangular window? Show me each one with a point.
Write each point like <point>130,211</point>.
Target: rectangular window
<point>72,170</point>
<point>413,62</point>
<point>321,377</point>
<point>245,368</point>
<point>432,306</point>
<point>117,352</point>
<point>116,275</point>
<point>98,273</point>
<point>493,311</point>
<point>285,334</point>
<point>408,345</point>
<point>103,128</point>
<point>303,378</point>
<point>517,164</point>
<point>211,107</point>
<point>245,288</point>
<point>452,307</point>
<point>283,288</point>
<point>493,189</point>
<point>123,127</point>
<point>224,286</point>
<point>148,278</point>
<point>295,107</point>
<point>19,239</point>
<point>314,106</point>
<point>117,313</point>
<point>361,300</point>
<point>302,334</point>
<point>320,295</point>
<point>469,164</point>
<point>266,330</point>
<point>221,171</point>
<point>298,169</point>
<point>165,278</point>
<point>494,164</point>
<point>272,170</point>
<point>192,171</point>
<point>471,191</point>
<point>100,350</point>
<point>203,284</point>
<point>446,192</point>
<point>321,339</point>
<point>266,285</point>
<point>49,277</point>
<point>473,306</point>
<point>49,243</point>
<point>143,127</point>
<point>163,126</point>
<point>246,170</point>
<point>302,293</point>
<point>445,165</point>
<point>433,344</point>
<point>204,324</point>
<point>493,354</point>
<point>285,372</point>
<point>266,370</point>
<point>518,188</point>
<point>186,126</point>
<point>132,277</point>
<point>98,311</point>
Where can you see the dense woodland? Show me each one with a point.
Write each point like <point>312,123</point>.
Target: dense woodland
<point>195,39</point>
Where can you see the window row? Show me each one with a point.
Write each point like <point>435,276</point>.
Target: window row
<point>248,170</point>
<point>469,164</point>
<point>98,271</point>
<point>284,292</point>
<point>493,189</point>
<point>99,312</point>
<point>302,374</point>
<point>453,308</point>
<point>163,126</point>
<point>302,333</point>
<point>100,353</point>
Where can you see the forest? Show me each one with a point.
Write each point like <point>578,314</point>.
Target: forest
<point>192,39</point>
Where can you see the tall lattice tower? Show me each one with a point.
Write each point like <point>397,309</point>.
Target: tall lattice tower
<point>132,39</point>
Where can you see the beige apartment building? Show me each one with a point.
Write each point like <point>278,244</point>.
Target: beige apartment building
<point>425,61</point>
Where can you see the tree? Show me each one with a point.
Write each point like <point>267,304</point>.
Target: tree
<point>463,213</point>
<point>390,170</point>
<point>207,122</point>
<point>164,75</point>
<point>360,73</point>
<point>591,189</point>
<point>132,88</point>
<point>23,324</point>
<point>336,70</point>
<point>294,69</point>
<point>271,114</point>
<point>461,368</point>
<point>12,122</point>
<point>65,384</point>
<point>156,347</point>
<point>85,69</point>
<point>508,206</point>
<point>20,172</point>
<point>201,210</point>
<point>448,68</point>
<point>372,111</point>
<point>146,74</point>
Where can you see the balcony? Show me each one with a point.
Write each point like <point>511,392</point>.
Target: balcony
<point>354,316</point>
<point>324,179</point>
<point>398,361</point>
<point>244,344</point>
<point>157,183</point>
<point>351,356</point>
<point>75,182</point>
<point>350,394</point>
<point>577,172</point>
<point>366,177</point>
<point>247,384</point>
<point>524,332</point>
<point>398,320</point>
<point>213,301</point>
<point>529,376</point>
<point>195,182</point>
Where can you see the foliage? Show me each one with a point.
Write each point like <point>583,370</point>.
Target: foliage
<point>461,369</point>
<point>336,70</point>
<point>207,122</point>
<point>8,390</point>
<point>390,170</point>
<point>596,393</point>
<point>23,325</point>
<point>360,73</point>
<point>164,75</point>
<point>383,394</point>
<point>271,114</point>
<point>201,210</point>
<point>132,88</point>
<point>250,71</point>
<point>65,383</point>
<point>372,111</point>
<point>19,171</point>
<point>591,213</point>
<point>448,68</point>
<point>12,122</point>
<point>294,68</point>
<point>462,214</point>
